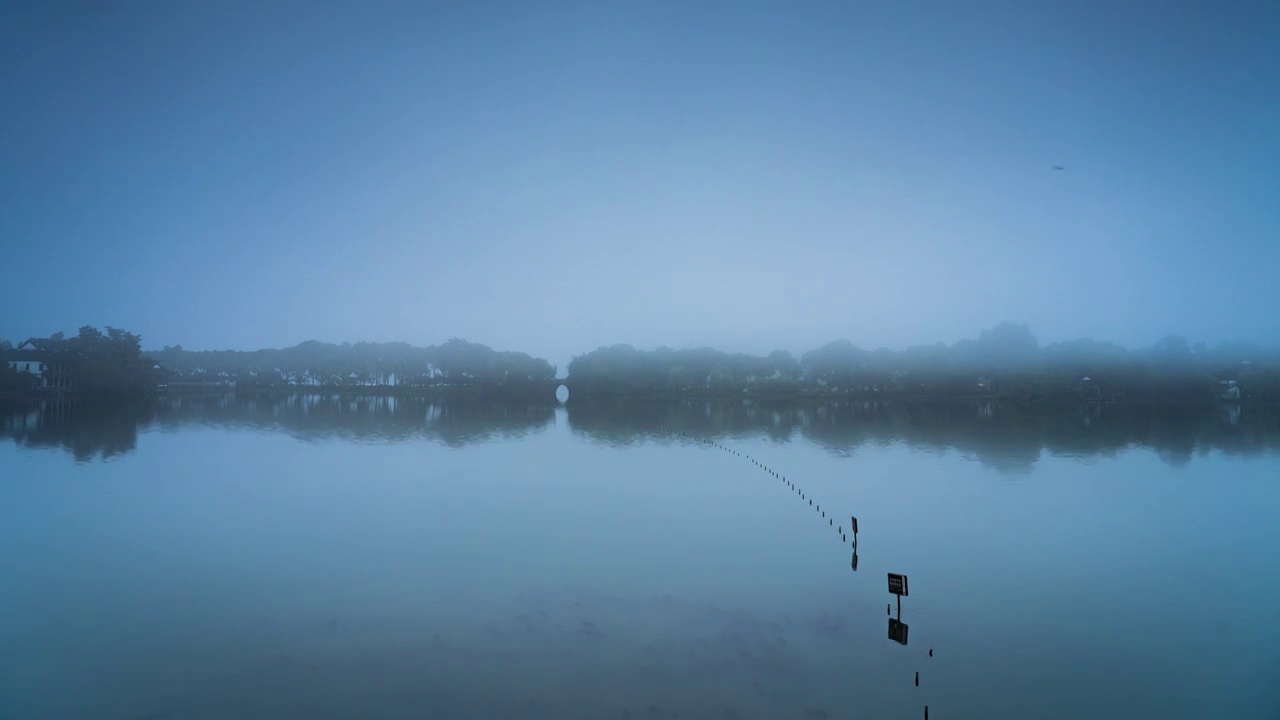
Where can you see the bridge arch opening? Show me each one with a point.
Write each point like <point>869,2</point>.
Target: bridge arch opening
<point>562,394</point>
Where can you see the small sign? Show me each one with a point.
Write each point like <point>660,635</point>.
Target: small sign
<point>898,631</point>
<point>854,562</point>
<point>855,525</point>
<point>897,584</point>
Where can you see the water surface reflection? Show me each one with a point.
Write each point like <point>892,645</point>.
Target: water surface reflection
<point>258,556</point>
<point>1009,437</point>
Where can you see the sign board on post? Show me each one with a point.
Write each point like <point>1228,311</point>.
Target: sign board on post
<point>898,631</point>
<point>897,585</point>
<point>855,524</point>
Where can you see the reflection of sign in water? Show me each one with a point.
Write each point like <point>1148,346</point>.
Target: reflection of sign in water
<point>897,584</point>
<point>854,562</point>
<point>898,631</point>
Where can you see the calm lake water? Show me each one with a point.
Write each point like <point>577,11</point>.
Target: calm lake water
<point>315,557</point>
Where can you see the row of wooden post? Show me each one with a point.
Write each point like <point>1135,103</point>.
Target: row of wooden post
<point>897,583</point>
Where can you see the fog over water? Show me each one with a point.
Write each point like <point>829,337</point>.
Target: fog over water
<point>557,177</point>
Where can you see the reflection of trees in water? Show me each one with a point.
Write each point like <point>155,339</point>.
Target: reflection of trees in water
<point>99,428</point>
<point>1006,436</point>
<point>85,427</point>
<point>453,421</point>
<point>621,421</point>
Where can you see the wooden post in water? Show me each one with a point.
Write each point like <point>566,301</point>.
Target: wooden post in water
<point>897,586</point>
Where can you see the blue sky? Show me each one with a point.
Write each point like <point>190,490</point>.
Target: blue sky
<point>552,177</point>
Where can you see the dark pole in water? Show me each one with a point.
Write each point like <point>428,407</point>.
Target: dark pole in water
<point>917,679</point>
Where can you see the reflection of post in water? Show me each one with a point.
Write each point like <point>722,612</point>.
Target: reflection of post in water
<point>898,631</point>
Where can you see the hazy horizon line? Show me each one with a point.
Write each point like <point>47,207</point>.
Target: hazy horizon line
<point>684,347</point>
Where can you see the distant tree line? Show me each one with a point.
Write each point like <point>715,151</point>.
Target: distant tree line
<point>92,360</point>
<point>456,363</point>
<point>1004,362</point>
